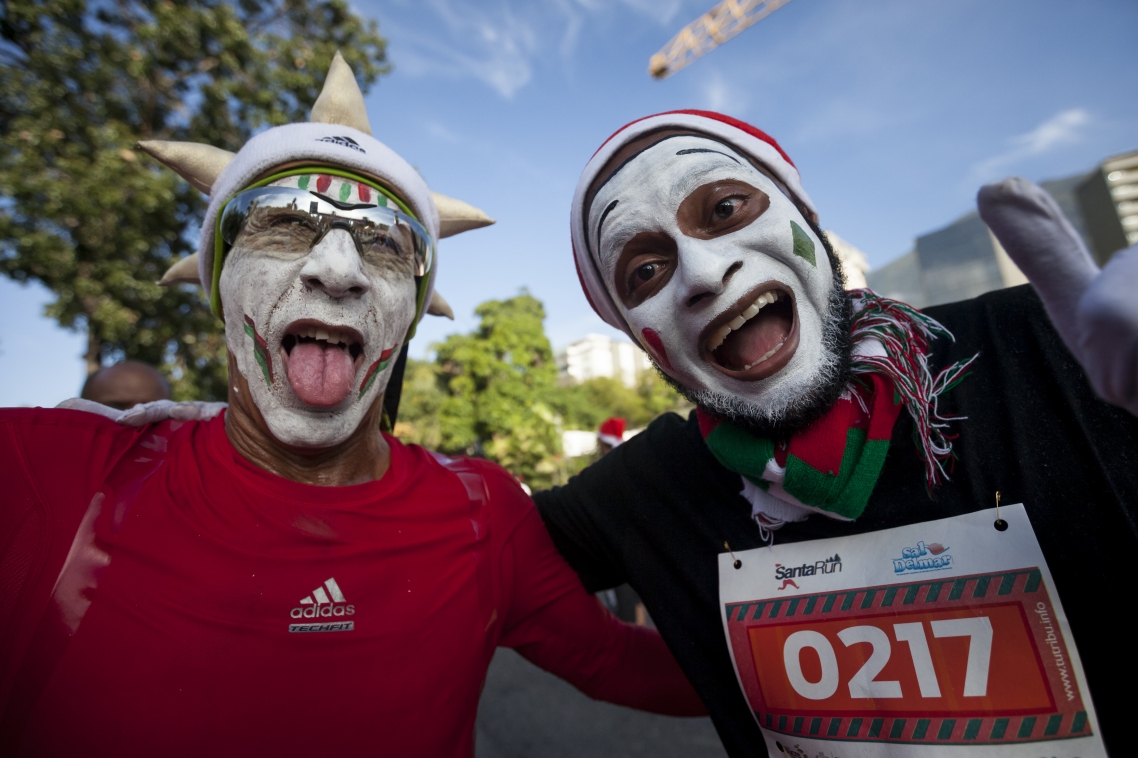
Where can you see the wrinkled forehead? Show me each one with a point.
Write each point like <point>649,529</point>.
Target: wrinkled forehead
<point>657,179</point>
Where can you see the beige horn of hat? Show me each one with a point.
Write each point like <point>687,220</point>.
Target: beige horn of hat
<point>439,306</point>
<point>198,164</point>
<point>456,217</point>
<point>184,271</point>
<point>341,101</point>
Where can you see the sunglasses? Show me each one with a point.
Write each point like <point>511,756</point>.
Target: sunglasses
<point>291,220</point>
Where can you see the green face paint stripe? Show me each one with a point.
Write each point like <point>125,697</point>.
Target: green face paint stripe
<point>219,250</point>
<point>345,191</point>
<point>249,331</point>
<point>803,245</point>
<point>303,183</point>
<point>371,379</point>
<point>264,366</point>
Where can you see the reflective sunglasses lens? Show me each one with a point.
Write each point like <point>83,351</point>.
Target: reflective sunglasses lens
<point>289,219</point>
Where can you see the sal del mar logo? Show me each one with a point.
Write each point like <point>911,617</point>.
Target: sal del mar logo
<point>931,556</point>
<point>787,574</point>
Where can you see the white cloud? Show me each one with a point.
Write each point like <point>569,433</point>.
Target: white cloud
<point>720,94</point>
<point>440,132</point>
<point>499,44</point>
<point>1058,130</point>
<point>465,39</point>
<point>660,11</point>
<point>1063,128</point>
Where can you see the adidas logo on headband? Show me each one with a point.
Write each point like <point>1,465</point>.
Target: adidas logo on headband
<point>343,142</point>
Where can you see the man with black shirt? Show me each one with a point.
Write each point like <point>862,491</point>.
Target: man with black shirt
<point>925,618</point>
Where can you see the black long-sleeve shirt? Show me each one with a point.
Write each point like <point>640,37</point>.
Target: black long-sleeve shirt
<point>657,510</point>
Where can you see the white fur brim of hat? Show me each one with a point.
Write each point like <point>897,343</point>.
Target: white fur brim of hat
<point>322,144</point>
<point>737,134</point>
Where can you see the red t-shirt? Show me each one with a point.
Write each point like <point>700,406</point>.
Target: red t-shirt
<point>221,610</point>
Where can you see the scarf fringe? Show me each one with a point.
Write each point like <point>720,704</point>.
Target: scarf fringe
<point>905,334</point>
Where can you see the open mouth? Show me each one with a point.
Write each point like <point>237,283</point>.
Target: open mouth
<point>756,337</point>
<point>321,361</point>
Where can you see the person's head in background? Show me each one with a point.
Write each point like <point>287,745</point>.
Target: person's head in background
<point>611,434</point>
<point>125,385</point>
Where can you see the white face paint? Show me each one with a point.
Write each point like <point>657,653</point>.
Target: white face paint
<point>315,334</point>
<point>728,294</point>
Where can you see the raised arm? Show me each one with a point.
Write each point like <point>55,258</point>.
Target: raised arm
<point>1095,312</point>
<point>558,626</point>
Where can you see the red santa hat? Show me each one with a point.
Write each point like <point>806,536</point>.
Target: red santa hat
<point>738,134</point>
<point>612,431</point>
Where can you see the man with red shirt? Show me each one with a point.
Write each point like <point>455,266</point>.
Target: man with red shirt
<point>285,578</point>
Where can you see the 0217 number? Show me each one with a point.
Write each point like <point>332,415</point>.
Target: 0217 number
<point>864,683</point>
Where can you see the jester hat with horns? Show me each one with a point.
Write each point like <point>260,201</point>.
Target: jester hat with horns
<point>337,137</point>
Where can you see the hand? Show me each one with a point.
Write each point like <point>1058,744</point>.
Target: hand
<point>149,413</point>
<point>1094,311</point>
<point>1107,322</point>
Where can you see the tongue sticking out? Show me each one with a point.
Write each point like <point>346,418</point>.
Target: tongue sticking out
<point>320,374</point>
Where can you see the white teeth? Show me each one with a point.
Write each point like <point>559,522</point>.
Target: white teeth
<point>748,313</point>
<point>719,336</point>
<point>766,355</point>
<point>331,336</point>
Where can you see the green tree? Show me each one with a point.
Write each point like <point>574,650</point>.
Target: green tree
<point>494,393</point>
<point>419,405</point>
<point>98,223</point>
<point>586,405</point>
<point>495,382</point>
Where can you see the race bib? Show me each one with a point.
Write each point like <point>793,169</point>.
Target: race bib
<point>912,641</point>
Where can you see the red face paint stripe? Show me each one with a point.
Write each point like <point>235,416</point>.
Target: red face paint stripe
<point>260,349</point>
<point>323,182</point>
<point>365,193</point>
<point>657,347</point>
<point>379,365</point>
<point>370,373</point>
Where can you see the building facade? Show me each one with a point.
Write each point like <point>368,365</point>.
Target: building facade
<point>599,356</point>
<point>964,259</point>
<point>1108,198</point>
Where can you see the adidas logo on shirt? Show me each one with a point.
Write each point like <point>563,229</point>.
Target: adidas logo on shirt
<point>326,601</point>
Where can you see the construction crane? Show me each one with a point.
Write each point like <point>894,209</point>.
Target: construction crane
<point>708,32</point>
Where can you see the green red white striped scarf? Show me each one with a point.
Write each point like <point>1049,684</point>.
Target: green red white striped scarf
<point>833,464</point>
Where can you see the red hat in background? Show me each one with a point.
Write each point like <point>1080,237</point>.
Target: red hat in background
<point>612,431</point>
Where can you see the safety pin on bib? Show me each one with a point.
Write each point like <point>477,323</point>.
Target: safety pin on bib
<point>1000,524</point>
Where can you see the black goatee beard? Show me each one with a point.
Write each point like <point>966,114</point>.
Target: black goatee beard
<point>814,400</point>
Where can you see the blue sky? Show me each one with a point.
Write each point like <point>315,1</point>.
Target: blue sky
<point>895,112</point>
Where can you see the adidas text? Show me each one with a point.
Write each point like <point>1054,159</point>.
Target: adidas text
<point>322,611</point>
